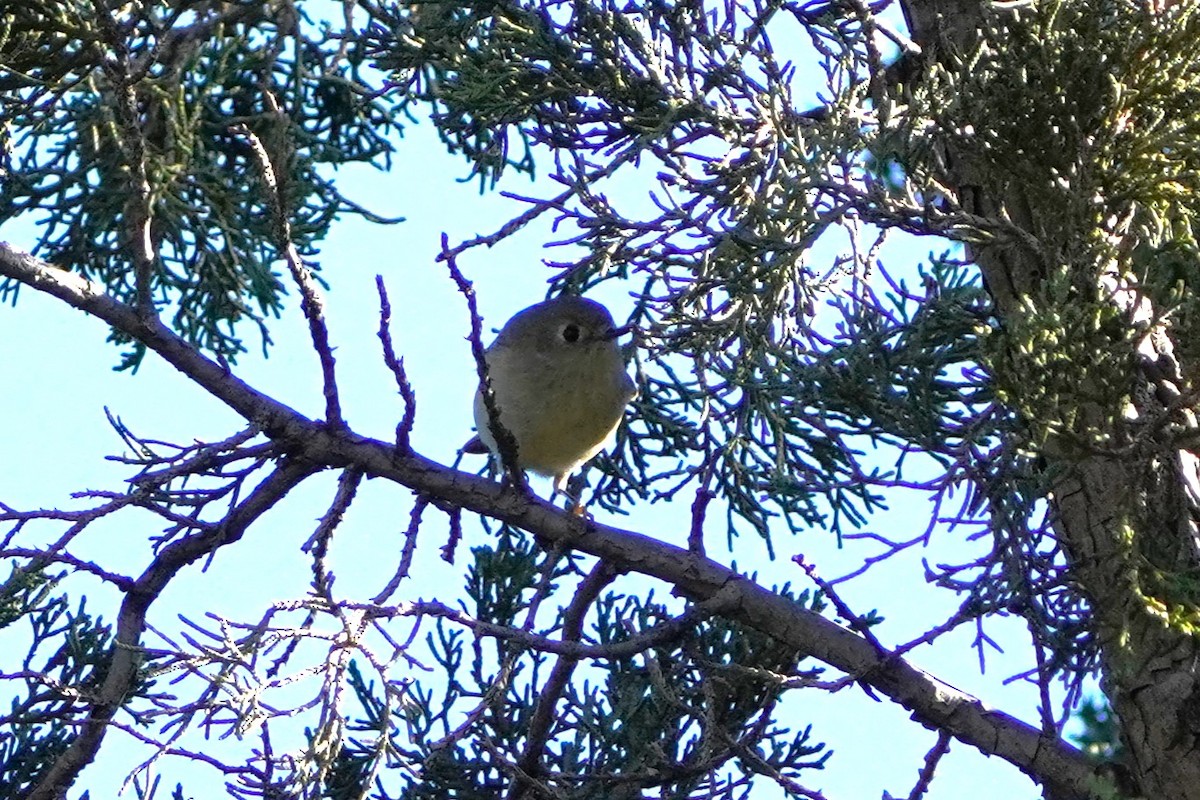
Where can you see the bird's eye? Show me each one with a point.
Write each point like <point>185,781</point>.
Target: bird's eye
<point>570,333</point>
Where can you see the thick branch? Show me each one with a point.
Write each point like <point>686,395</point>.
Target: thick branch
<point>936,704</point>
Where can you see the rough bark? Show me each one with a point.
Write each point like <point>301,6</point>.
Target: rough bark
<point>1150,667</point>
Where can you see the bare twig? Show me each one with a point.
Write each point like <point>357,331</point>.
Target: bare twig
<point>505,441</point>
<point>939,749</point>
<point>410,547</point>
<point>124,660</point>
<point>704,496</point>
<point>854,620</point>
<point>453,534</point>
<point>39,559</point>
<point>318,543</point>
<point>396,365</point>
<point>541,723</point>
<point>312,302</point>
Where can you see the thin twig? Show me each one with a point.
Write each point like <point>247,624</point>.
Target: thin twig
<point>396,365</point>
<point>505,441</point>
<point>939,749</point>
<point>856,622</point>
<point>410,547</point>
<point>541,723</point>
<point>312,302</point>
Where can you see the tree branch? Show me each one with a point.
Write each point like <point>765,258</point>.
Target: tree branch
<point>934,703</point>
<point>131,621</point>
<point>312,303</point>
<point>542,722</point>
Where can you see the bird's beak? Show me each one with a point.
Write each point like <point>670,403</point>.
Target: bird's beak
<point>616,333</point>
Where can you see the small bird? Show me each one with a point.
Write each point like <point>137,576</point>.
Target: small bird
<point>560,386</point>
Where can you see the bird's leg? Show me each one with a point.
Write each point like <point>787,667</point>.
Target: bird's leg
<point>576,506</point>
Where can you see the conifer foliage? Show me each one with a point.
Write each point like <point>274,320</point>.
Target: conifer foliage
<point>1034,379</point>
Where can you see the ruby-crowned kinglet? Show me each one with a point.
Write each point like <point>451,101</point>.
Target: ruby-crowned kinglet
<point>560,385</point>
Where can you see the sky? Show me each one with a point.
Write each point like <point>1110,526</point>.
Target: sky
<point>60,381</point>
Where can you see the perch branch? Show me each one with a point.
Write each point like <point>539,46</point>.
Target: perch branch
<point>1047,759</point>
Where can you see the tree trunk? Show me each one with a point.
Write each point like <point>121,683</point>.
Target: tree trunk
<point>1104,500</point>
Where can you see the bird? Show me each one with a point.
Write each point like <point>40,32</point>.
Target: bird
<point>560,387</point>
